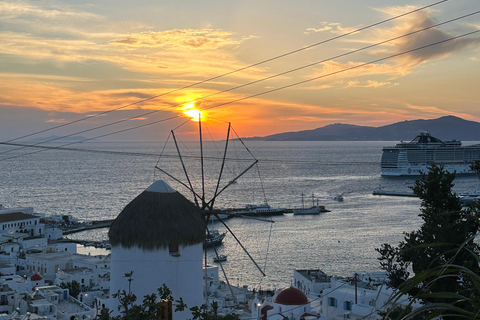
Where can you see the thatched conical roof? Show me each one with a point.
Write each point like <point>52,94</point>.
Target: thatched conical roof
<point>157,218</point>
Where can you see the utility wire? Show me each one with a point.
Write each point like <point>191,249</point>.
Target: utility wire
<point>343,70</point>
<point>272,90</point>
<point>174,156</point>
<point>241,86</point>
<point>231,72</point>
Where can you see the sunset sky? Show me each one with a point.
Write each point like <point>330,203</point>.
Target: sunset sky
<point>61,61</point>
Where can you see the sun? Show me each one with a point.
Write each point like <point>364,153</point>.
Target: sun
<point>190,111</point>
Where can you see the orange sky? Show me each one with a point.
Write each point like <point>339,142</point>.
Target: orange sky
<point>62,61</point>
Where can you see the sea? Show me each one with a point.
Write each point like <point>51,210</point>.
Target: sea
<point>96,180</point>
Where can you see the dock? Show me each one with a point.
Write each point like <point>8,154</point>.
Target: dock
<point>393,193</point>
<point>92,226</point>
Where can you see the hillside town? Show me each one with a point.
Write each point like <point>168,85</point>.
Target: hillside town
<point>158,238</point>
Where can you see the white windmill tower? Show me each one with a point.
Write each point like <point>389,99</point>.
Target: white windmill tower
<point>159,236</point>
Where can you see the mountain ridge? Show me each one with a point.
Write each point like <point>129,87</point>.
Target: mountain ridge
<point>444,128</point>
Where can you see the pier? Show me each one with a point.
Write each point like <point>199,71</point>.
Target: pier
<point>85,227</point>
<point>393,193</point>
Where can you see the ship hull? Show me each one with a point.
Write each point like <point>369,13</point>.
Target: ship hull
<point>416,170</point>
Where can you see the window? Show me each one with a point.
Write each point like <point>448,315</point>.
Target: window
<point>347,305</point>
<point>332,302</point>
<point>173,250</point>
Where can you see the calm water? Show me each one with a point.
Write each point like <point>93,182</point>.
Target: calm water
<point>340,242</point>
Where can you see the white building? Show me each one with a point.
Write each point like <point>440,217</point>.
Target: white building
<point>358,297</point>
<point>159,236</point>
<point>311,281</point>
<point>20,222</point>
<point>53,233</point>
<point>48,263</point>
<point>54,303</point>
<point>85,277</point>
<point>289,303</point>
<point>8,299</point>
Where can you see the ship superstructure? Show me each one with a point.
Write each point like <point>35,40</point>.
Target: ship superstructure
<point>412,158</point>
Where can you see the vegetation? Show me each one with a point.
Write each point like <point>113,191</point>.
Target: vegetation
<point>475,166</point>
<point>158,306</point>
<point>442,254</point>
<point>73,288</point>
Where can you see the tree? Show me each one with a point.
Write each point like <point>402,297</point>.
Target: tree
<point>475,166</point>
<point>73,288</point>
<point>157,306</point>
<point>445,238</point>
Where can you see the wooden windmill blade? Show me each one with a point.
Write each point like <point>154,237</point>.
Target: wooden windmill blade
<point>205,205</point>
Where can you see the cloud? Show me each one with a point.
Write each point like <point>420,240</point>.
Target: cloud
<point>335,70</point>
<point>59,34</point>
<point>436,42</point>
<point>56,121</point>
<point>370,84</point>
<point>332,27</point>
<point>15,11</point>
<point>206,39</point>
<point>405,51</point>
<point>128,94</point>
<point>438,111</point>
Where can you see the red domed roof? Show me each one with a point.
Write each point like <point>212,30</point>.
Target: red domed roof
<point>36,277</point>
<point>291,296</point>
<point>265,310</point>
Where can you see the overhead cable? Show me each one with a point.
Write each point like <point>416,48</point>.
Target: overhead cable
<point>230,72</point>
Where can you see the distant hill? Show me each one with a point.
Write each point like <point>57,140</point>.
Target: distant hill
<point>445,128</point>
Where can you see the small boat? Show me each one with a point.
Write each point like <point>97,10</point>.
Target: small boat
<point>219,258</point>
<point>470,197</point>
<point>214,238</point>
<point>338,197</point>
<point>314,209</point>
<point>261,210</point>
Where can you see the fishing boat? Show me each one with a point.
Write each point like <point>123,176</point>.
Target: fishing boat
<point>214,238</point>
<point>414,157</point>
<point>220,258</point>
<point>314,209</point>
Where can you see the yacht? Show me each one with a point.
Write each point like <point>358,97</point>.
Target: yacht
<point>261,210</point>
<point>314,209</point>
<point>414,157</point>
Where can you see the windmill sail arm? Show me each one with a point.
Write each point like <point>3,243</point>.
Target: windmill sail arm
<point>223,160</point>
<point>245,250</point>
<point>195,195</point>
<point>210,203</point>
<point>177,180</point>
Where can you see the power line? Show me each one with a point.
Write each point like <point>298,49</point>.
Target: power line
<point>344,70</point>
<point>232,72</point>
<point>268,91</point>
<point>174,156</point>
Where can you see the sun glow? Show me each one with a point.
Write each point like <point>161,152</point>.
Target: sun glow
<point>190,111</point>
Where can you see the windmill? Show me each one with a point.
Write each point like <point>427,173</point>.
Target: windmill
<point>197,188</point>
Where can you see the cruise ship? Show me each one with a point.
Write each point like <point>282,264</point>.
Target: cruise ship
<point>412,158</point>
